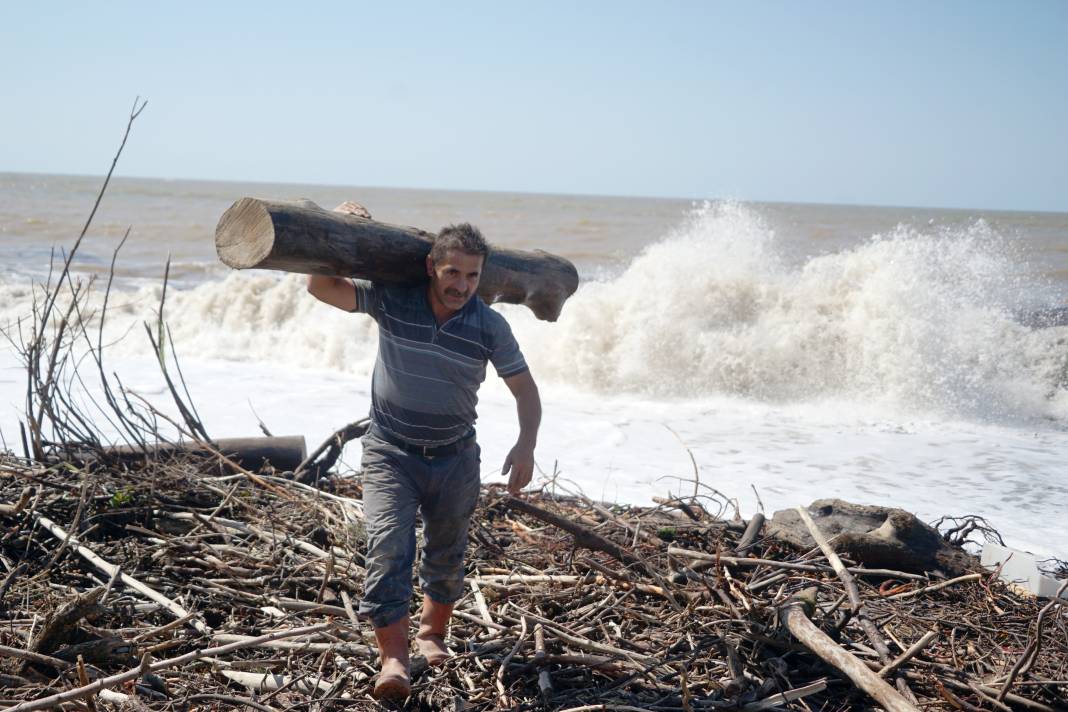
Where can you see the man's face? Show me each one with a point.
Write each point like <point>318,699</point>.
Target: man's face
<point>454,280</point>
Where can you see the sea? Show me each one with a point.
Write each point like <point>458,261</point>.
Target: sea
<point>757,356</point>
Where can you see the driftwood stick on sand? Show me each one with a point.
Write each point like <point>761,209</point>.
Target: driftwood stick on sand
<point>545,681</point>
<point>502,691</point>
<point>856,605</point>
<point>269,537</point>
<point>10,510</point>
<point>302,237</point>
<point>794,614</point>
<point>585,643</point>
<point>9,652</point>
<point>480,601</point>
<point>832,558</point>
<point>147,666</point>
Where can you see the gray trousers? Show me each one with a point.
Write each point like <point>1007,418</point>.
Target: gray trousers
<point>397,484</point>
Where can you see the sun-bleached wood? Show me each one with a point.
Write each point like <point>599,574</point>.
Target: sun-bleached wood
<point>302,237</point>
<point>794,614</point>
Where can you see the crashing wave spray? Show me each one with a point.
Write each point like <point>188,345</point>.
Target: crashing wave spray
<point>915,320</point>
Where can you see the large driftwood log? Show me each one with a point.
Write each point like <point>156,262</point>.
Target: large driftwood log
<point>285,452</point>
<point>302,237</point>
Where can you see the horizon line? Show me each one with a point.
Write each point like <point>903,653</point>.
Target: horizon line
<point>813,203</point>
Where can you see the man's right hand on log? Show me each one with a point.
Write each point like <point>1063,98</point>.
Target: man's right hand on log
<point>352,208</point>
<point>338,291</point>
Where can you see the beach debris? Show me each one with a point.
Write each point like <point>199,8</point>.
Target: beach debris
<point>650,612</point>
<point>303,237</point>
<point>1020,568</point>
<point>875,536</point>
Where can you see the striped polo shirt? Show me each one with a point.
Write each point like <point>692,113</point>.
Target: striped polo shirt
<point>426,378</point>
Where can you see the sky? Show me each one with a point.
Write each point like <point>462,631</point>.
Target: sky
<point>943,104</point>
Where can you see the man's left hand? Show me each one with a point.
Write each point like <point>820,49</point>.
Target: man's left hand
<point>520,462</point>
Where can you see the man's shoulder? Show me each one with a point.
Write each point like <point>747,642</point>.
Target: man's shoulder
<point>491,321</point>
<point>399,293</point>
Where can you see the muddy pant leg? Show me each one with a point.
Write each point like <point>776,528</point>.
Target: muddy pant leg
<point>390,500</point>
<point>446,515</point>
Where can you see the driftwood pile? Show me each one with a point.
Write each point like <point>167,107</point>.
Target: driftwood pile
<point>179,585</point>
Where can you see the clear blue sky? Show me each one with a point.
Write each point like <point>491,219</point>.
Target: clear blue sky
<point>957,104</point>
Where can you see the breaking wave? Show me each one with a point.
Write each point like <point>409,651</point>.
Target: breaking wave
<point>916,319</point>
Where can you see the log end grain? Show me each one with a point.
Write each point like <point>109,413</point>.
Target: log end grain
<point>244,236</point>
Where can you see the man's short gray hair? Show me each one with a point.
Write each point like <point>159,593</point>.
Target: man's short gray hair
<point>464,237</point>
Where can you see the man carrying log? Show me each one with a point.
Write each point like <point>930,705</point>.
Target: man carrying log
<point>420,452</point>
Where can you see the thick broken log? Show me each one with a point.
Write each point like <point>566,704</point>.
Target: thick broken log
<point>302,237</point>
<point>282,453</point>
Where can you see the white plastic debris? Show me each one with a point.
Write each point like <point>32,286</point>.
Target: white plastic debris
<point>1021,568</point>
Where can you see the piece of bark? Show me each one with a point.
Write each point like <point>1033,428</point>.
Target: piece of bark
<point>749,537</point>
<point>61,623</point>
<point>302,237</point>
<point>102,651</point>
<point>9,681</point>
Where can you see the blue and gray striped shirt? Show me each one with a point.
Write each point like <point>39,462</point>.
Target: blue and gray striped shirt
<point>426,377</point>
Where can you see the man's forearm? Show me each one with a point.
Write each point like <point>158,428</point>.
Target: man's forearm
<point>519,464</point>
<point>528,408</point>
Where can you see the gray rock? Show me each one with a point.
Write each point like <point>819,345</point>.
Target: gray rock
<point>878,537</point>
